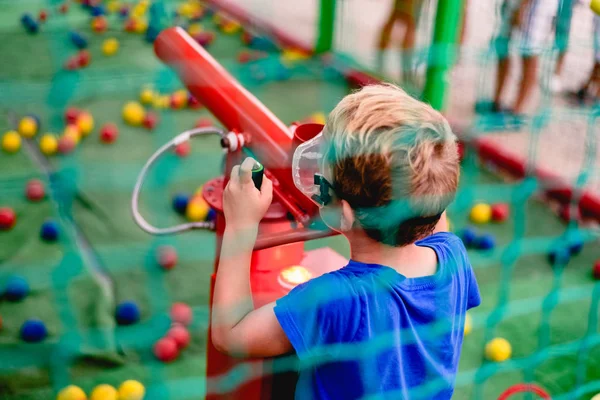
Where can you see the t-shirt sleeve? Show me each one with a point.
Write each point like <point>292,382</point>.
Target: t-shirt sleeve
<point>473,295</point>
<point>467,274</point>
<point>317,313</point>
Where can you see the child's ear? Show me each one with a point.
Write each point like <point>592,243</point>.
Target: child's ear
<point>348,218</point>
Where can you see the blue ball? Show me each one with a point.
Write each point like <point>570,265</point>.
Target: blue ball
<point>29,23</point>
<point>127,313</point>
<point>78,40</point>
<point>33,330</point>
<point>212,215</point>
<point>180,203</point>
<point>485,242</point>
<point>468,236</point>
<point>97,11</point>
<point>124,12</point>
<point>49,231</point>
<point>559,256</point>
<point>16,289</point>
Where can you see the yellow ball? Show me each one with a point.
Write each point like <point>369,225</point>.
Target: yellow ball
<point>595,6</point>
<point>71,392</point>
<point>104,392</point>
<point>163,101</point>
<point>181,98</point>
<point>481,213</point>
<point>73,132</point>
<point>139,10</point>
<point>141,26</point>
<point>113,6</point>
<point>48,144</point>
<point>133,113</point>
<point>498,350</point>
<point>131,390</point>
<point>186,10</point>
<point>195,29</point>
<point>11,142</point>
<point>231,28</point>
<point>147,96</point>
<point>468,324</point>
<point>28,127</point>
<point>110,47</point>
<point>197,209</point>
<point>85,123</point>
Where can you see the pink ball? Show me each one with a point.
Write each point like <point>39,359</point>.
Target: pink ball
<point>180,335</point>
<point>109,133</point>
<point>183,149</point>
<point>181,313</point>
<point>167,257</point>
<point>166,349</point>
<point>150,120</point>
<point>66,144</point>
<point>35,190</point>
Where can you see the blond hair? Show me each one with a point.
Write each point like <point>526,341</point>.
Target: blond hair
<point>387,148</point>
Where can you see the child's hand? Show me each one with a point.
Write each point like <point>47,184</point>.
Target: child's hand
<point>243,204</point>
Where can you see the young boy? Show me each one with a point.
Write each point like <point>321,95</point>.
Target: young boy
<point>534,20</point>
<point>390,323</point>
<point>590,91</point>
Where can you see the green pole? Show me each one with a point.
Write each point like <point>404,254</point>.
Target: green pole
<point>326,23</point>
<point>443,51</point>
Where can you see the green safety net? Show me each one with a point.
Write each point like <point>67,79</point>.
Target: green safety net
<point>547,311</point>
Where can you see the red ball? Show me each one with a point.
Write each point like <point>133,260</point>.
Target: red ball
<point>35,190</point>
<point>204,123</point>
<point>244,57</point>
<point>167,257</point>
<point>246,37</point>
<point>597,270</point>
<point>63,8</point>
<point>180,335</point>
<point>166,349</point>
<point>183,149</point>
<point>109,133</point>
<point>194,103</point>
<point>181,313</point>
<point>500,212</point>
<point>8,218</point>
<point>43,16</point>
<point>84,57</point>
<point>99,24</point>
<point>130,25</point>
<point>66,144</point>
<point>71,115</point>
<point>150,120</point>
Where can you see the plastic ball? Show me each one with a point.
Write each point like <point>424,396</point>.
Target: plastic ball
<point>85,123</point>
<point>66,144</point>
<point>124,11</point>
<point>63,8</point>
<point>485,242</point>
<point>468,324</point>
<point>97,10</point>
<point>109,133</point>
<point>71,115</point>
<point>140,26</point>
<point>28,127</point>
<point>204,39</point>
<point>596,269</point>
<point>161,102</point>
<point>204,123</point>
<point>99,24</point>
<point>29,23</point>
<point>481,213</point>
<point>180,203</point>
<point>185,9</point>
<point>73,132</point>
<point>131,390</point>
<point>71,392</point>
<point>147,96</point>
<point>104,392</point>
<point>166,349</point>
<point>78,40</point>
<point>180,335</point>
<point>42,15</point>
<point>11,142</point>
<point>468,236</point>
<point>183,149</point>
<point>113,6</point>
<point>35,190</point>
<point>194,29</point>
<point>48,144</point>
<point>130,25</point>
<point>16,288</point>
<point>110,47</point>
<point>500,212</point>
<point>83,58</point>
<point>167,257</point>
<point>150,120</point>
<point>49,231</point>
<point>127,313</point>
<point>33,331</point>
<point>498,350</point>
<point>244,57</point>
<point>197,210</point>
<point>179,99</point>
<point>193,103</point>
<point>212,215</point>
<point>8,218</point>
<point>181,313</point>
<point>133,113</point>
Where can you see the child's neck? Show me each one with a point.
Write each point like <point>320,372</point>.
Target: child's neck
<point>411,260</point>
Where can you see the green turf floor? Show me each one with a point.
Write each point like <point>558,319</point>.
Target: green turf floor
<point>515,279</point>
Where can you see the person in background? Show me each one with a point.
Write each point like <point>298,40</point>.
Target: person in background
<point>563,30</point>
<point>590,91</point>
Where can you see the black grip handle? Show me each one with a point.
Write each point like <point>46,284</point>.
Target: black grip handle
<point>258,172</point>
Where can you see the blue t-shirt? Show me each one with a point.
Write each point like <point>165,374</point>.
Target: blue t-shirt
<point>366,331</point>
